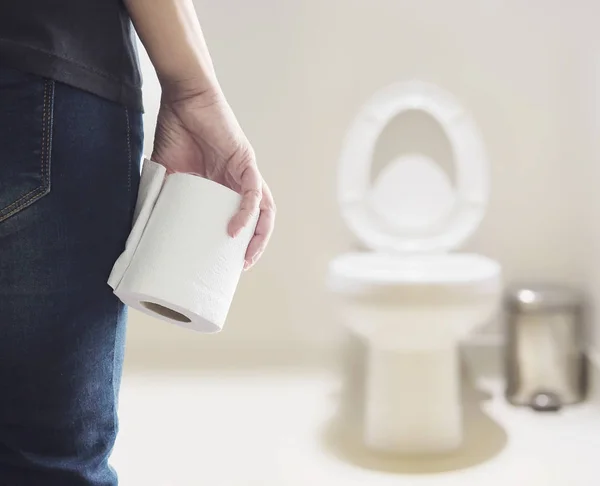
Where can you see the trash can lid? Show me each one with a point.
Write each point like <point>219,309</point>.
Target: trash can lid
<point>543,297</point>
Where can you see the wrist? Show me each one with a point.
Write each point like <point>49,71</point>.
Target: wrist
<point>183,88</point>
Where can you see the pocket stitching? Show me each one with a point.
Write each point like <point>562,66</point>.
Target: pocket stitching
<point>40,191</point>
<point>43,154</point>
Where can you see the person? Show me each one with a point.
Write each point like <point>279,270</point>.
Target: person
<point>70,149</point>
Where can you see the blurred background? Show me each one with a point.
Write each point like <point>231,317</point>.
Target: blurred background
<point>297,72</point>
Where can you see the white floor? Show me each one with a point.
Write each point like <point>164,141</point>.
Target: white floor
<point>283,429</point>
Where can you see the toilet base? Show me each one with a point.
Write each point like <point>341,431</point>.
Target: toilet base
<point>413,400</point>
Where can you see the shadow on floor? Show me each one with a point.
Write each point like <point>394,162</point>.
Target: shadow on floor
<point>343,436</point>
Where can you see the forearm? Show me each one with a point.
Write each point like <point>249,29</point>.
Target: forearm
<point>171,33</point>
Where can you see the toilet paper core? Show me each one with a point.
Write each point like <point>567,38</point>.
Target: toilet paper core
<point>163,311</point>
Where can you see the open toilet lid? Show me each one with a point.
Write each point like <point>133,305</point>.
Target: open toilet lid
<point>464,205</point>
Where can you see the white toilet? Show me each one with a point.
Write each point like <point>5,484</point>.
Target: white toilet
<point>407,296</point>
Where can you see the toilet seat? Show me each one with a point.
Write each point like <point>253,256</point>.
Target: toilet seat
<point>471,167</point>
<point>460,269</point>
<point>454,279</point>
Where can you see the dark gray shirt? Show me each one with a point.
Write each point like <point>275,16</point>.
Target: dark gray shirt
<point>85,43</point>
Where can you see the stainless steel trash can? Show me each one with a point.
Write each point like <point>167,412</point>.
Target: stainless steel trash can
<point>545,360</point>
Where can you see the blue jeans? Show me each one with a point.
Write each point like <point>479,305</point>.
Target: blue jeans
<point>69,174</point>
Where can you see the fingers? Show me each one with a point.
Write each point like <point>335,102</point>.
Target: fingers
<point>256,197</point>
<point>251,190</point>
<point>264,228</point>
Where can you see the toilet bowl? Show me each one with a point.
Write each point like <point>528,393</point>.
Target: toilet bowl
<point>407,296</point>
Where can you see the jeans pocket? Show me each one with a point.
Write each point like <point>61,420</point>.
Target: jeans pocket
<point>26,114</point>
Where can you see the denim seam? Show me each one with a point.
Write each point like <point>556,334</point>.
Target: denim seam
<point>33,195</point>
<point>113,380</point>
<point>128,150</point>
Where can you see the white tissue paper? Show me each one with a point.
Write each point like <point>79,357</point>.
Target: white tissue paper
<point>179,264</point>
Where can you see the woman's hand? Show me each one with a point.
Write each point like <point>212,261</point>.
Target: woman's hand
<point>198,133</point>
<point>196,130</point>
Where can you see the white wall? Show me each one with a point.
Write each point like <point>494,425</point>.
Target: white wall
<point>297,71</point>
<point>590,109</point>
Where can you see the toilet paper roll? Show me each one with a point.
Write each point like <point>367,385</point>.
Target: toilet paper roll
<point>179,264</point>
